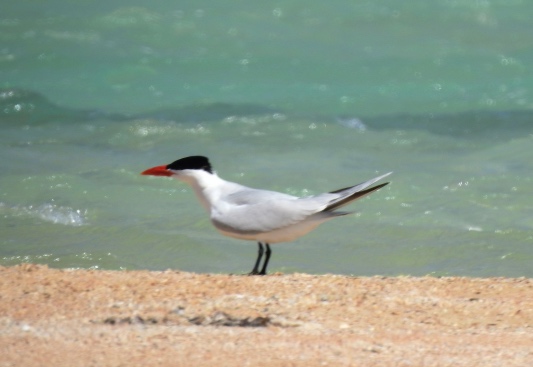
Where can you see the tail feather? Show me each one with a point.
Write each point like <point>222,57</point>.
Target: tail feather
<point>351,197</point>
<point>351,189</point>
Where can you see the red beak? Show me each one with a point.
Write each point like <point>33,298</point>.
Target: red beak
<point>157,171</point>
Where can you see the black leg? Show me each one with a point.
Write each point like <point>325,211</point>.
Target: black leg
<point>267,258</point>
<point>255,270</point>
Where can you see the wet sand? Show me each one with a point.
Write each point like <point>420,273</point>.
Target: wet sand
<point>53,317</point>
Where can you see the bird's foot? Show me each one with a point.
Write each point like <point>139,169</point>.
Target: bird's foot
<point>256,273</point>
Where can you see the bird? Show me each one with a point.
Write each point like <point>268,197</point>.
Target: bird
<point>264,216</point>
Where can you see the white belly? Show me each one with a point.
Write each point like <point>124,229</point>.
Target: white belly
<point>285,234</point>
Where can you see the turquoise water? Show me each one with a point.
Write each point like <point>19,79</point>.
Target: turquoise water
<point>295,96</point>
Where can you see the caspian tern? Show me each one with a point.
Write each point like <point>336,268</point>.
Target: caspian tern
<point>259,215</point>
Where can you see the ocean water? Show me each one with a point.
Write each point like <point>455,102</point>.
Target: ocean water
<point>296,96</point>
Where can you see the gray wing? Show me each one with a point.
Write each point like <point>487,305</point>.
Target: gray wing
<point>249,211</point>
<point>252,211</point>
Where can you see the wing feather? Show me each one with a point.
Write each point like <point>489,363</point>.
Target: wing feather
<point>250,213</point>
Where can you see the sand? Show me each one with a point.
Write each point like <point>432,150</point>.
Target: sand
<point>55,317</point>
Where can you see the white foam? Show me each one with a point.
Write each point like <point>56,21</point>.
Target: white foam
<point>51,213</point>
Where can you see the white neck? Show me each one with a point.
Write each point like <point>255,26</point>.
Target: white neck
<point>203,183</point>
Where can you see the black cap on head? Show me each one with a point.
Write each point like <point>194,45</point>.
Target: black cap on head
<point>193,162</point>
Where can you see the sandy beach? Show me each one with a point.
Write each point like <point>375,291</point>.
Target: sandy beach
<point>54,317</point>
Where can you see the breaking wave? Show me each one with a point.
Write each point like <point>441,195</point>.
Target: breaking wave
<point>49,212</point>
